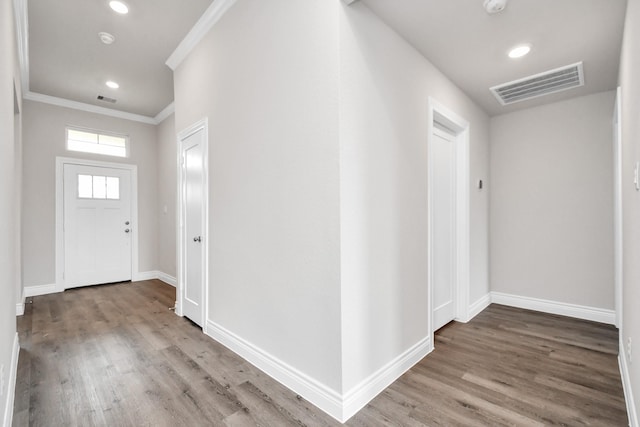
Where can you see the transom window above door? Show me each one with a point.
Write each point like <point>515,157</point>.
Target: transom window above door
<point>98,187</point>
<point>87,141</point>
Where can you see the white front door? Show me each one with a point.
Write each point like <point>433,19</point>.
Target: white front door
<point>444,227</point>
<point>97,225</point>
<point>193,216</point>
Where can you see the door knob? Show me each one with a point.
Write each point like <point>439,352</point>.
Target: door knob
<point>126,223</point>
<point>197,239</point>
<point>126,230</point>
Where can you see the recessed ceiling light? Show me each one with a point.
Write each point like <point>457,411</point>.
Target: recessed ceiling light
<point>119,7</point>
<point>106,38</point>
<point>112,85</point>
<point>519,51</point>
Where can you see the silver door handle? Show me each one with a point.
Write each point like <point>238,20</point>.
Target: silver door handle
<point>197,239</point>
<point>127,230</point>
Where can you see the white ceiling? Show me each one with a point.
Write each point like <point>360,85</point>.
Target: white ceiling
<point>470,46</point>
<point>67,59</point>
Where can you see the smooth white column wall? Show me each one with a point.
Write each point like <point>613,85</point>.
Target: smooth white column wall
<point>385,85</point>
<point>266,77</point>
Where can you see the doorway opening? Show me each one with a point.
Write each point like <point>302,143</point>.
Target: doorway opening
<point>448,201</point>
<point>193,230</point>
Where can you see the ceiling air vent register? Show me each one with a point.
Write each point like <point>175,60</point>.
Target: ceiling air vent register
<point>106,99</point>
<point>546,83</point>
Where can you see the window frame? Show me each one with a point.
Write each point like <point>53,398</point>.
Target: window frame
<point>98,133</point>
<point>106,197</point>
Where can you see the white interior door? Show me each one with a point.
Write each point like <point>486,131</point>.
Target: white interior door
<point>193,235</point>
<point>443,227</point>
<point>97,225</point>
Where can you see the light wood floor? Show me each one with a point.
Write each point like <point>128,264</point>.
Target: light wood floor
<point>115,355</point>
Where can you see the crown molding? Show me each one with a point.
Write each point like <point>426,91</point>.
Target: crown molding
<point>208,19</point>
<point>162,115</point>
<point>89,108</point>
<point>61,102</point>
<point>22,41</point>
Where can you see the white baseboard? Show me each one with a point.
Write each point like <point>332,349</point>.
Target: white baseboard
<point>34,291</point>
<point>144,275</point>
<point>626,385</point>
<point>315,392</point>
<point>477,307</point>
<point>11,384</point>
<point>169,280</point>
<point>356,398</point>
<point>155,274</point>
<point>20,305</point>
<point>553,307</point>
<point>340,407</point>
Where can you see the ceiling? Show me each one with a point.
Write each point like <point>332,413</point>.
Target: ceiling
<point>67,59</point>
<point>470,46</point>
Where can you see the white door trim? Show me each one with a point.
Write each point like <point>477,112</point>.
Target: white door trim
<point>460,127</point>
<point>203,125</point>
<point>60,162</point>
<point>617,206</point>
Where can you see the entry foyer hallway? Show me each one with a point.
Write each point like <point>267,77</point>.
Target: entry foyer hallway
<point>115,355</point>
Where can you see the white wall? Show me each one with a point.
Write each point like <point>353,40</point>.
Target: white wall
<point>552,202</point>
<point>630,84</point>
<point>317,135</point>
<point>266,77</point>
<point>167,203</point>
<point>44,139</point>
<point>385,87</point>
<point>9,225</point>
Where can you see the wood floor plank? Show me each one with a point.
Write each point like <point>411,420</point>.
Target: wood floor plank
<point>240,419</point>
<point>218,395</point>
<point>116,355</point>
<point>263,409</point>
